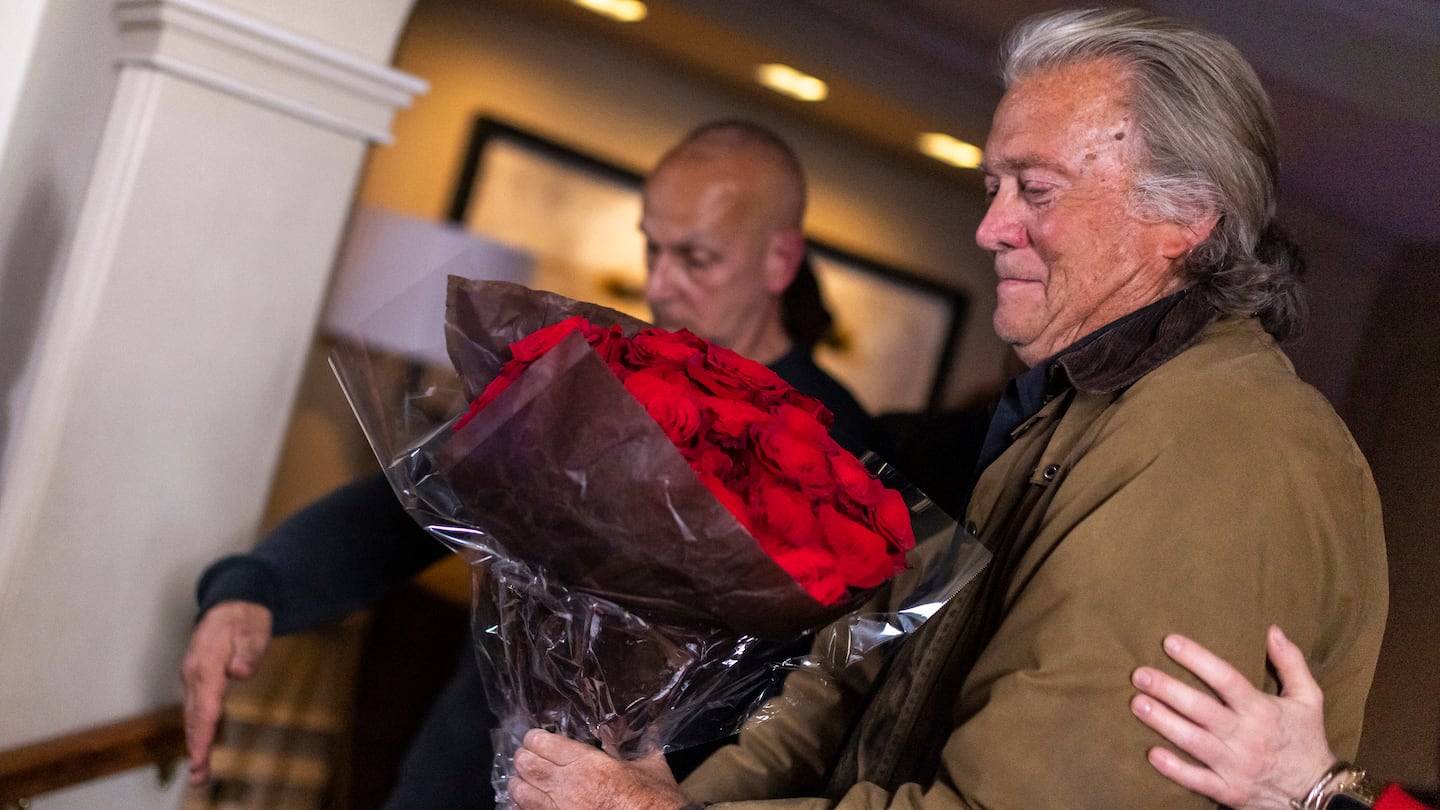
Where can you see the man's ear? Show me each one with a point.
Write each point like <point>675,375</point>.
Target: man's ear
<point>1182,239</point>
<point>782,261</point>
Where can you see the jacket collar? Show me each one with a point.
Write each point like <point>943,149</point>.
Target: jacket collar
<point>1118,354</point>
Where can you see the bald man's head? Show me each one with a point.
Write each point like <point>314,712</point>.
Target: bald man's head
<point>764,167</point>
<point>722,223</point>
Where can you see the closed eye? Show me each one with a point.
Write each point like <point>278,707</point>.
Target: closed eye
<point>1036,192</point>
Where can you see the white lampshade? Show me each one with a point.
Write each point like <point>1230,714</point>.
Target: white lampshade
<point>389,287</point>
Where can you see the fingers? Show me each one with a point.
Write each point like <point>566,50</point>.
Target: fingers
<point>553,748</point>
<point>1295,678</point>
<point>228,642</point>
<point>1187,775</point>
<point>552,771</point>
<point>204,692</point>
<point>529,797</point>
<point>1189,737</point>
<point>1196,706</point>
<point>1228,683</point>
<point>535,770</point>
<point>1211,752</point>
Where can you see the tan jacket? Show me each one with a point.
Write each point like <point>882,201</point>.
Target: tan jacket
<point>1211,494</point>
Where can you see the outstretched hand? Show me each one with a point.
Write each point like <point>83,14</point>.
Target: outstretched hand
<point>227,643</point>
<point>556,773</point>
<point>1256,751</point>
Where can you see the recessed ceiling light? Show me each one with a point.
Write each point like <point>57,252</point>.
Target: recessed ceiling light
<point>950,150</point>
<point>622,10</point>
<point>791,82</point>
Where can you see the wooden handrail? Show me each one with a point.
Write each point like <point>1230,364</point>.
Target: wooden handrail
<point>157,738</point>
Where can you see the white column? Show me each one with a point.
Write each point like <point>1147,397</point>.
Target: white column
<point>19,20</point>
<point>165,371</point>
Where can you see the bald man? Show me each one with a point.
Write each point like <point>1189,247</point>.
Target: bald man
<point>722,240</point>
<point>722,219</point>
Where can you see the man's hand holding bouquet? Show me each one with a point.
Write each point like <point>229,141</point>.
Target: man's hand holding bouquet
<point>652,521</point>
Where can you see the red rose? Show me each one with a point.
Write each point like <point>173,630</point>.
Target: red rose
<point>891,518</point>
<point>676,376</point>
<point>610,344</point>
<point>855,481</point>
<point>863,556</point>
<point>507,375</point>
<point>620,370</point>
<point>732,419</point>
<point>532,346</point>
<point>802,423</point>
<point>710,460</point>
<point>728,499</point>
<point>725,373</point>
<point>787,513</point>
<point>677,413</point>
<point>687,337</point>
<point>794,458</point>
<point>816,571</point>
<point>808,404</point>
<point>491,391</point>
<point>652,348</point>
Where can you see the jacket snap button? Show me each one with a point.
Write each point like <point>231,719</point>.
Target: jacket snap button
<point>972,528</point>
<point>1049,473</point>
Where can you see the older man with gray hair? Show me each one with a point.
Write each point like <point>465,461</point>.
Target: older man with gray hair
<point>1158,468</point>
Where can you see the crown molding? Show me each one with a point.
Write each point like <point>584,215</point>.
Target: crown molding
<point>265,64</point>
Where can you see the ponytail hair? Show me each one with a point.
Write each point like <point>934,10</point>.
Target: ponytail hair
<point>802,309</point>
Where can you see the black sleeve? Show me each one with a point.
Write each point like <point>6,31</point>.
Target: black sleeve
<point>335,556</point>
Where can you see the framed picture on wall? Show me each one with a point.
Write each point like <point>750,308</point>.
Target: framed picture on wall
<point>577,215</point>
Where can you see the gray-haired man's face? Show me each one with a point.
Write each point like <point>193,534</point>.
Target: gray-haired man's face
<point>1070,256</point>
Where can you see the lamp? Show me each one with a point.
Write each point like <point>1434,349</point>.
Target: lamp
<point>389,288</point>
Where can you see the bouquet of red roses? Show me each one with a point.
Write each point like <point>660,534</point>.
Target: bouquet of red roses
<point>759,446</point>
<point>652,520</point>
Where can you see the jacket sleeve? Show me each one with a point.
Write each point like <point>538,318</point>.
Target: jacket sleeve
<point>335,556</point>
<point>1156,530</point>
<point>1396,799</point>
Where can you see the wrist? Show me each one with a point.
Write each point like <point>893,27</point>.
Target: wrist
<point>1341,787</point>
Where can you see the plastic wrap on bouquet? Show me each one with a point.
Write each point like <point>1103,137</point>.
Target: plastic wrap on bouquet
<point>616,598</point>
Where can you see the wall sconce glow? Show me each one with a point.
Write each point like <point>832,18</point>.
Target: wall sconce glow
<point>621,10</point>
<point>791,82</point>
<point>950,150</point>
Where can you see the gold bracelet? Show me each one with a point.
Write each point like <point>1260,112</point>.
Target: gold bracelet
<point>1317,791</point>
<point>1356,790</point>
<point>1343,787</point>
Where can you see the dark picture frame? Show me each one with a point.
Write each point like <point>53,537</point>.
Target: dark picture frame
<point>579,214</point>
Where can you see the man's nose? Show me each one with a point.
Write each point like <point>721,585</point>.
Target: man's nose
<point>660,277</point>
<point>1001,228</point>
